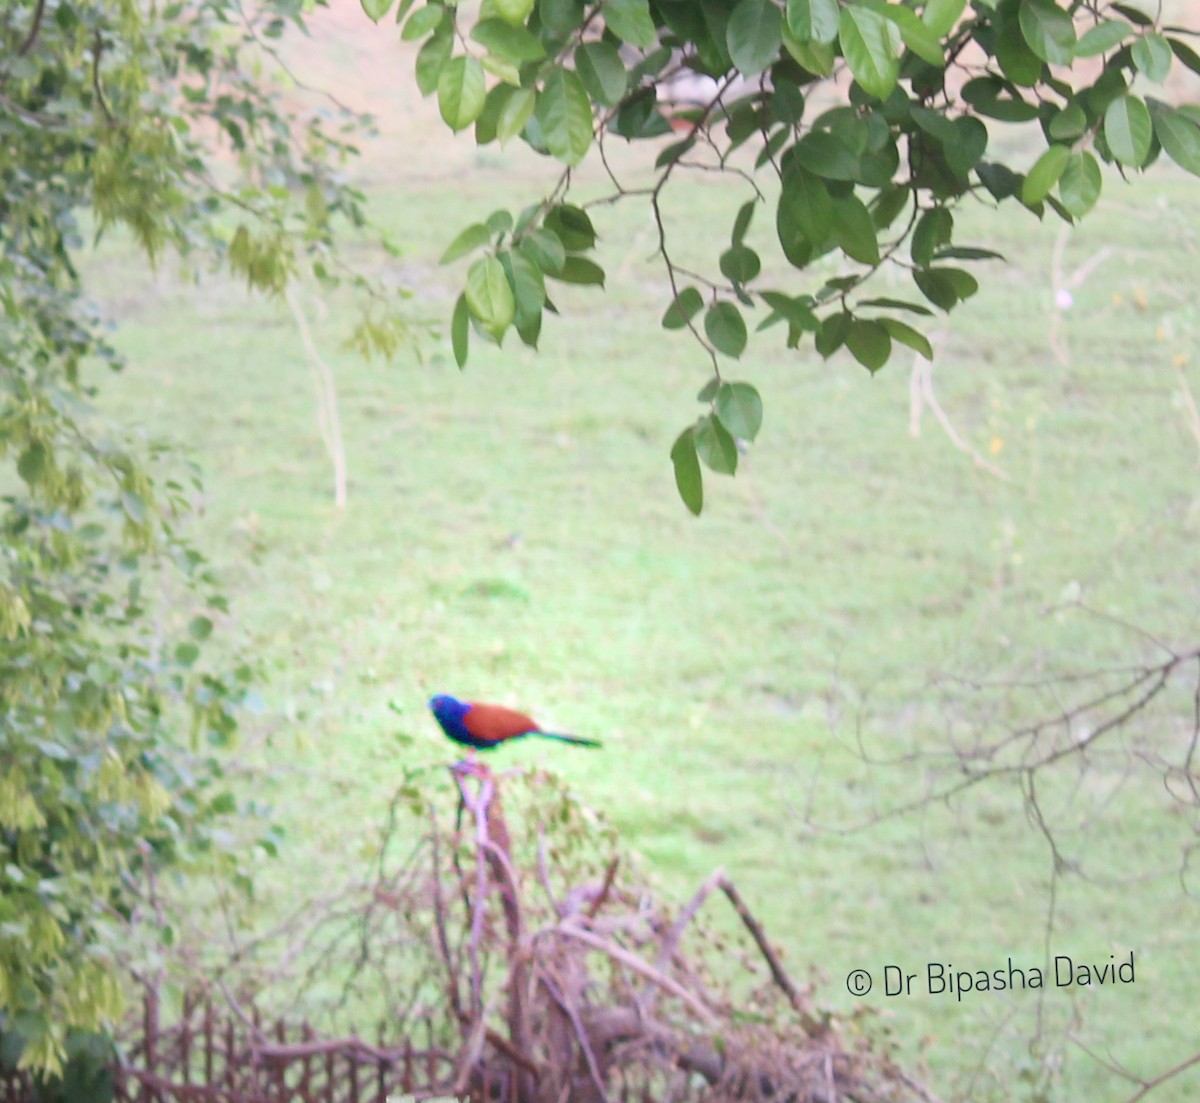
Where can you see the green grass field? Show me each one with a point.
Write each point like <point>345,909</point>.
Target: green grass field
<point>513,534</point>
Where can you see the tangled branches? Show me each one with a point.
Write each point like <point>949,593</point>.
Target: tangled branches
<point>550,972</point>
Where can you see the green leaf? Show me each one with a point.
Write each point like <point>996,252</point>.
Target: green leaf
<point>813,20</point>
<point>796,312</point>
<point>944,287</point>
<point>786,102</point>
<point>602,71</point>
<point>683,309</point>
<point>494,102</point>
<point>431,59</point>
<point>1127,130</point>
<point>1070,123</point>
<point>916,35</point>
<point>1080,183</point>
<point>897,304</point>
<point>186,654</point>
<point>815,57</point>
<point>826,155</point>
<point>869,343</point>
<point>513,11</point>
<point>572,226</point>
<point>1017,61</point>
<point>887,206</point>
<point>934,228</point>
<point>1044,174</point>
<point>940,16</point>
<point>854,230</point>
<point>200,628</point>
<point>461,91</point>
<point>423,21</point>
<point>473,237</point>
<point>515,44</point>
<point>1000,180</point>
<point>1179,136</point>
<point>499,222</point>
<point>1048,30</point>
<point>528,285</point>
<point>630,21</point>
<point>753,35</point>
<point>1186,54</point>
<point>376,9</point>
<point>1109,86</point>
<point>906,335</point>
<point>1101,38</point>
<point>223,803</point>
<point>725,328</point>
<point>1134,15</point>
<point>460,330</point>
<point>968,145</point>
<point>871,48</point>
<point>502,68</point>
<point>580,270</point>
<point>515,113</point>
<point>935,123</point>
<point>966,252</point>
<point>560,17</point>
<point>565,114</point>
<point>670,154</point>
<point>715,447</point>
<point>688,479</point>
<point>740,409</point>
<point>529,329</point>
<point>544,249</point>
<point>832,334</point>
<point>32,463</point>
<point>742,223</point>
<point>1152,55</point>
<point>740,264</point>
<point>490,297</point>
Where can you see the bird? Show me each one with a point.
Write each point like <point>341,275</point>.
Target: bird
<point>482,727</point>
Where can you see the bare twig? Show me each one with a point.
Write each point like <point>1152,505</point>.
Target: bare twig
<point>328,419</point>
<point>34,29</point>
<point>921,393</point>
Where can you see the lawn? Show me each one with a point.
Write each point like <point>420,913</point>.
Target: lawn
<point>513,534</point>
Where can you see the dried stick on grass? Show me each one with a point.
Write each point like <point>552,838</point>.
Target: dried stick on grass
<point>803,1006</point>
<point>921,394</point>
<point>328,420</point>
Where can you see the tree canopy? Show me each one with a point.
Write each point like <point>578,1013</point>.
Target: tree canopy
<point>156,121</point>
<point>856,127</point>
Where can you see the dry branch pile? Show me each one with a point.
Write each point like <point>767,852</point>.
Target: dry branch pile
<point>553,974</point>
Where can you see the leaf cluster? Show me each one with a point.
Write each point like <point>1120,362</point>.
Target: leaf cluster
<point>870,121</point>
<point>115,708</point>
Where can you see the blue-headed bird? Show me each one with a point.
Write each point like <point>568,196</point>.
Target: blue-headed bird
<point>482,727</point>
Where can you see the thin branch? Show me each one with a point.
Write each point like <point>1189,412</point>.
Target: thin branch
<point>619,953</point>
<point>1149,1085</point>
<point>572,1014</point>
<point>811,1024</point>
<point>34,29</point>
<point>97,51</point>
<point>329,421</point>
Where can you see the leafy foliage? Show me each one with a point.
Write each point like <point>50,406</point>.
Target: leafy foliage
<point>854,175</point>
<point>112,715</point>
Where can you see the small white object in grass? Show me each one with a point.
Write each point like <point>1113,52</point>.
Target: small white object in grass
<point>1063,299</point>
